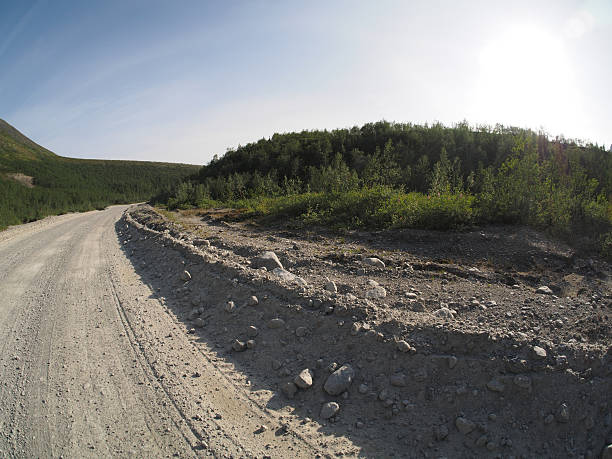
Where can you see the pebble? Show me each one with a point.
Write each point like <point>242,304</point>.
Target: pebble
<point>276,364</point>
<point>548,419</point>
<point>538,352</point>
<point>300,331</point>
<point>376,262</point>
<point>544,290</point>
<point>339,380</point>
<point>253,301</point>
<point>304,379</point>
<point>252,331</point>
<point>464,425</point>
<point>376,293</point>
<point>412,295</point>
<point>452,361</point>
<point>403,346</point>
<point>363,388</point>
<point>199,322</point>
<point>185,276</point>
<point>267,260</point>
<point>355,328</point>
<point>250,344</point>
<point>563,413</point>
<point>398,380</point>
<point>289,389</point>
<point>230,307</point>
<point>495,385</point>
<point>444,313</point>
<point>522,381</point>
<point>276,323</point>
<point>607,452</point>
<point>329,409</point>
<point>331,287</point>
<point>238,346</point>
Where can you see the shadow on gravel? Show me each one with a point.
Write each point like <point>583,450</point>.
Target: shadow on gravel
<point>457,395</point>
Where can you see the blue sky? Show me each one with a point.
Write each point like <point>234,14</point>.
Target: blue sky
<point>183,80</point>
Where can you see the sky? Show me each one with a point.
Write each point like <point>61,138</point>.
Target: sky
<point>182,80</point>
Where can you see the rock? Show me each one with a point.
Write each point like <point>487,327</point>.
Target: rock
<point>276,364</point>
<point>544,290</point>
<point>403,346</point>
<point>452,361</point>
<point>301,331</point>
<point>185,276</point>
<point>238,346</point>
<point>412,296</point>
<point>253,301</point>
<point>482,440</point>
<point>331,287</point>
<point>376,292</point>
<point>538,352</point>
<point>276,323</point>
<point>464,425</point>
<point>376,262</point>
<point>398,380</point>
<point>230,307</point>
<point>444,313</point>
<point>607,452</point>
<point>363,388</point>
<point>250,344</point>
<point>199,322</point>
<point>267,260</point>
<point>355,328</point>
<point>495,385</point>
<point>339,380</point>
<point>289,389</point>
<point>522,381</point>
<point>563,413</point>
<point>548,419</point>
<point>201,242</point>
<point>289,277</point>
<point>440,432</point>
<point>329,409</point>
<point>304,379</point>
<point>252,331</point>
<point>417,306</point>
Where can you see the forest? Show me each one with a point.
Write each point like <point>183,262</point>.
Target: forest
<point>59,185</point>
<point>384,175</point>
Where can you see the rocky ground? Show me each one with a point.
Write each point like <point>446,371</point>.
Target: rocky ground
<point>488,343</point>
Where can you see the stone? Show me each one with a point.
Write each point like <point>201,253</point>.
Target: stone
<point>495,385</point>
<point>230,307</point>
<point>301,331</point>
<point>464,425</point>
<point>375,262</point>
<point>276,323</point>
<point>538,352</point>
<point>252,331</point>
<point>276,364</point>
<point>403,346</point>
<point>286,276</point>
<point>522,381</point>
<point>304,379</point>
<point>201,242</point>
<point>452,361</point>
<point>355,328</point>
<point>363,388</point>
<point>185,276</point>
<point>339,380</point>
<point>607,452</point>
<point>288,389</point>
<point>329,409</point>
<point>482,440</point>
<point>253,301</point>
<point>267,260</point>
<point>444,313</point>
<point>331,286</point>
<point>376,293</point>
<point>544,290</point>
<point>398,380</point>
<point>549,419</point>
<point>563,415</point>
<point>199,322</point>
<point>250,344</point>
<point>238,346</point>
<point>412,295</point>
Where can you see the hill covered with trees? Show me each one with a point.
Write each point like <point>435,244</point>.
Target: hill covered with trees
<point>433,176</point>
<point>35,182</point>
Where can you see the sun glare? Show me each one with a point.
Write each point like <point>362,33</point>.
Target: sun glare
<point>525,78</point>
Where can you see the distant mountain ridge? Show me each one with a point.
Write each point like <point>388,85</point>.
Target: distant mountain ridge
<point>35,182</point>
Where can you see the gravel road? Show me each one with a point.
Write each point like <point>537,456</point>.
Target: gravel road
<point>92,363</point>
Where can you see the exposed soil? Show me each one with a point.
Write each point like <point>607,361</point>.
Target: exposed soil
<point>461,357</point>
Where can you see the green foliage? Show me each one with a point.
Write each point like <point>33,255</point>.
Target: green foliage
<point>66,185</point>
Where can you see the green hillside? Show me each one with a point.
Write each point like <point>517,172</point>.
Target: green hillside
<point>35,182</point>
<point>385,174</point>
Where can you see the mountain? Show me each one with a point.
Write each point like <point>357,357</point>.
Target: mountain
<point>35,182</point>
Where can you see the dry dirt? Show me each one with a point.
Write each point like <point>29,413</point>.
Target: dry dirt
<point>124,334</point>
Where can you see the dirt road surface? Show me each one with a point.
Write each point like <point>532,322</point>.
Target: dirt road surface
<point>84,371</point>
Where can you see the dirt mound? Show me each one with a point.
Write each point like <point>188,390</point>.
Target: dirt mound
<point>454,348</point>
